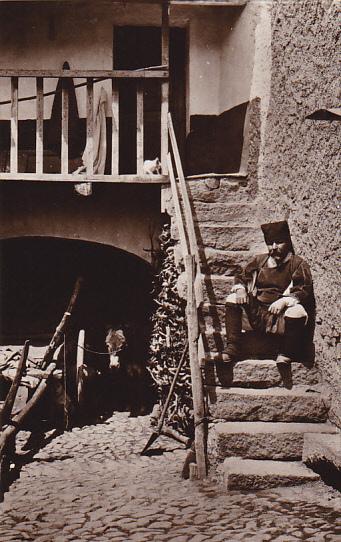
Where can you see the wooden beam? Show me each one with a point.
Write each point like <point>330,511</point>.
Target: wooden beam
<point>40,125</point>
<point>90,126</point>
<point>95,74</point>
<point>164,85</point>
<point>200,421</point>
<point>177,209</point>
<point>14,125</point>
<point>115,129</point>
<point>75,178</point>
<point>139,129</point>
<point>65,130</point>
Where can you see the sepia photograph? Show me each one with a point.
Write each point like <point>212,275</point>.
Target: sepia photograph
<point>170,361</point>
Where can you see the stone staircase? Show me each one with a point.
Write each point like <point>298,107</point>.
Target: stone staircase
<point>258,424</point>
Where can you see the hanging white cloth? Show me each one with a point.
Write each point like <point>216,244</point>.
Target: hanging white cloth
<point>99,146</point>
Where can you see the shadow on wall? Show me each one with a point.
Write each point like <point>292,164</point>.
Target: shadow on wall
<point>215,142</point>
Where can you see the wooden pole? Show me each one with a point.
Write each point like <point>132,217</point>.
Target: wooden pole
<point>5,412</point>
<point>177,209</point>
<point>197,384</point>
<point>164,85</point>
<point>17,420</point>
<point>14,126</point>
<point>115,141</point>
<point>58,334</point>
<point>139,128</point>
<point>65,129</point>
<point>40,125</point>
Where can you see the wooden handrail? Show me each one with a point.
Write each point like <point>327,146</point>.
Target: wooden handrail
<point>190,253</point>
<point>83,74</point>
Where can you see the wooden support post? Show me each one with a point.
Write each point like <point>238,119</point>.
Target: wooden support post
<point>90,125</point>
<point>115,129</point>
<point>140,128</point>
<point>40,125</point>
<point>197,384</point>
<point>14,125</point>
<point>164,85</point>
<point>58,334</point>
<point>65,129</point>
<point>5,412</point>
<point>70,387</point>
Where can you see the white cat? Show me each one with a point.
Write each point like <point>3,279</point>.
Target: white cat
<point>152,167</point>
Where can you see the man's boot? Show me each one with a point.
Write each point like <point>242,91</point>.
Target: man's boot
<point>293,339</point>
<point>291,347</point>
<point>233,324</point>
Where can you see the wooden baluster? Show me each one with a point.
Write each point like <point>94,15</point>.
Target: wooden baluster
<point>115,129</point>
<point>164,86</point>
<point>65,129</point>
<point>90,126</point>
<point>40,125</point>
<point>139,124</point>
<point>14,125</point>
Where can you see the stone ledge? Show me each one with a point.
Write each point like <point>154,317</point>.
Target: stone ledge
<point>254,474</point>
<point>317,449</point>
<point>300,404</point>
<point>253,373</point>
<point>265,440</point>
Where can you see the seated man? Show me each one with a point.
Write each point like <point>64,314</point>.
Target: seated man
<point>275,292</point>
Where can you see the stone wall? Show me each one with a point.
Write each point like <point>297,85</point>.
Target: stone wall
<point>298,168</point>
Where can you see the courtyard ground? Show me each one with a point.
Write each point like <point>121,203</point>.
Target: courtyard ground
<point>92,484</point>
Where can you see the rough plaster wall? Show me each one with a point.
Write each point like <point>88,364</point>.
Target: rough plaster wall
<point>299,167</point>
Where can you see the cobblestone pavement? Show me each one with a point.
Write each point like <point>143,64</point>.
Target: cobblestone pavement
<point>91,484</point>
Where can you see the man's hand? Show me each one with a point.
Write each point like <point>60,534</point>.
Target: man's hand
<point>278,306</point>
<point>241,296</point>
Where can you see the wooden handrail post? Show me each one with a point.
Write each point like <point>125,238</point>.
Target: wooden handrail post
<point>40,125</point>
<point>164,85</point>
<point>139,128</point>
<point>115,128</point>
<point>90,125</point>
<point>197,384</point>
<point>14,125</point>
<point>65,129</point>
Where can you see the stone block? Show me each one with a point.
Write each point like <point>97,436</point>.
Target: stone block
<point>319,449</point>
<point>253,345</point>
<point>299,404</point>
<point>250,474</point>
<point>231,237</point>
<point>231,214</point>
<point>266,440</point>
<point>224,262</point>
<point>218,190</point>
<point>253,373</point>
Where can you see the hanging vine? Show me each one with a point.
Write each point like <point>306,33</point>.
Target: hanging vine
<point>168,341</point>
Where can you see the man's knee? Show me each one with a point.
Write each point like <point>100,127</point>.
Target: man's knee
<point>231,298</point>
<point>296,311</point>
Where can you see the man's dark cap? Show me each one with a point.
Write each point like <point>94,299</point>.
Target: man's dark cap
<point>276,232</point>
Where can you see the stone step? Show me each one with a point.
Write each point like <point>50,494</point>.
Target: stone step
<point>215,288</point>
<point>253,345</point>
<point>299,404</point>
<point>255,373</point>
<point>266,440</point>
<point>224,262</point>
<point>260,474</point>
<point>226,213</point>
<point>213,190</point>
<point>226,237</point>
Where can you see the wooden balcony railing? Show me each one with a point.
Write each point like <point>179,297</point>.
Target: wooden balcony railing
<point>11,172</point>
